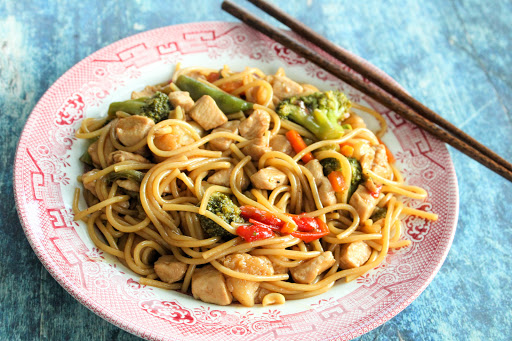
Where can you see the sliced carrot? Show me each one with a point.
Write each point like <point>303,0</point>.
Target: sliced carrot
<point>347,150</point>
<point>212,77</point>
<point>337,181</point>
<point>298,145</point>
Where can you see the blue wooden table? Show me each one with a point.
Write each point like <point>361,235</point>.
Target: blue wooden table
<point>454,56</point>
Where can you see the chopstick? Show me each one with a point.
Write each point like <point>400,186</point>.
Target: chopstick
<point>388,99</point>
<point>375,77</point>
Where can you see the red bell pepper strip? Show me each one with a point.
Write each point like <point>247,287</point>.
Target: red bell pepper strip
<point>305,223</point>
<point>308,228</point>
<point>308,237</point>
<point>298,145</point>
<point>265,217</point>
<point>256,231</point>
<point>376,193</point>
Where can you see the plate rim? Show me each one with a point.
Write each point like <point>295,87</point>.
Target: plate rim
<point>113,317</point>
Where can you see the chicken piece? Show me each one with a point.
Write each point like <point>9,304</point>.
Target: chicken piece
<point>108,148</point>
<point>364,203</point>
<point>223,143</point>
<point>380,164</point>
<point>207,113</point>
<point>279,269</point>
<point>148,91</point>
<point>306,272</point>
<point>257,148</point>
<point>245,291</point>
<point>130,130</point>
<point>260,294</point>
<point>182,99</point>
<point>355,254</point>
<point>121,155</point>
<point>355,121</point>
<point>129,185</point>
<point>364,153</point>
<point>91,186</point>
<point>280,143</point>
<point>209,285</point>
<point>269,178</point>
<point>325,190</point>
<point>222,176</point>
<point>284,87</point>
<point>255,125</point>
<point>169,269</point>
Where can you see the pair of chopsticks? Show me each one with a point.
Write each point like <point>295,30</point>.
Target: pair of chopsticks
<point>382,89</point>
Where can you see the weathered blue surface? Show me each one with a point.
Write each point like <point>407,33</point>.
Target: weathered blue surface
<point>455,56</point>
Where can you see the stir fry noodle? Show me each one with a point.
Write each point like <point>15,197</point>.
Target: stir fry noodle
<point>242,187</point>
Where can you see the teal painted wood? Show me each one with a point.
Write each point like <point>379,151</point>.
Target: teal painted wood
<point>454,56</point>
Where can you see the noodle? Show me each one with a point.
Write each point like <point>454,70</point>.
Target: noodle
<point>242,205</point>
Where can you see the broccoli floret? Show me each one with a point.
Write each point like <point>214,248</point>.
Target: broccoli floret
<point>357,175</point>
<point>129,174</point>
<point>319,112</point>
<point>330,164</point>
<point>379,213</point>
<point>222,206</point>
<point>156,107</point>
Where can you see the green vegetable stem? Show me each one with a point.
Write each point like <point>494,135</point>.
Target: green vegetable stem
<point>226,102</point>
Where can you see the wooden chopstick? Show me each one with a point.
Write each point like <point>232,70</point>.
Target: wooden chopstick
<point>375,77</point>
<point>371,90</point>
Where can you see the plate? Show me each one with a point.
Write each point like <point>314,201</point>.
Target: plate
<point>46,167</point>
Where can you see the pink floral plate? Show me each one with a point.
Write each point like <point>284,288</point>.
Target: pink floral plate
<point>46,167</point>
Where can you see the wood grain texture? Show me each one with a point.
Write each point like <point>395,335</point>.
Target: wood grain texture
<point>454,56</point>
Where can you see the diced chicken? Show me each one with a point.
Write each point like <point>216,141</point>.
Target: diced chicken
<point>279,269</point>
<point>373,158</point>
<point>245,291</point>
<point>257,148</point>
<point>91,186</point>
<point>169,269</point>
<point>121,155</point>
<point>284,87</point>
<point>364,203</point>
<point>355,121</point>
<point>269,178</point>
<point>280,143</point>
<point>209,285</point>
<point>131,130</point>
<point>364,153</point>
<point>255,125</point>
<point>325,190</point>
<point>130,185</point>
<point>148,91</point>
<point>306,272</point>
<point>206,112</point>
<point>380,164</point>
<point>222,176</point>
<point>260,294</point>
<point>355,254</point>
<point>223,143</point>
<point>182,99</point>
<point>108,148</point>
